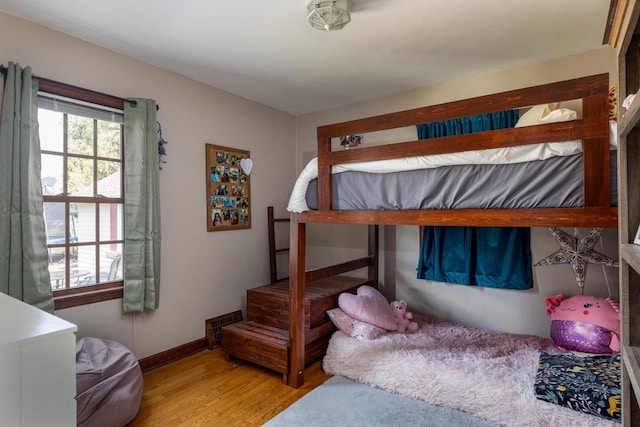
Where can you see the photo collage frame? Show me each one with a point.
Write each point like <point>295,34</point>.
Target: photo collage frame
<point>228,188</point>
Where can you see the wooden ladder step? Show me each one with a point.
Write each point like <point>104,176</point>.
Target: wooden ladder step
<point>268,346</point>
<point>269,304</point>
<point>261,344</point>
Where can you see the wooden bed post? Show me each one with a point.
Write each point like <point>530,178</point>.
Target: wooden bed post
<point>297,263</point>
<point>373,254</point>
<point>273,264</point>
<point>596,172</point>
<point>325,189</point>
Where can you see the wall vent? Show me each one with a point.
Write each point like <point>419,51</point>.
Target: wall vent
<point>213,327</point>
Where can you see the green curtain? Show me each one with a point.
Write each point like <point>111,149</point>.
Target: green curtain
<point>142,207</point>
<point>24,270</point>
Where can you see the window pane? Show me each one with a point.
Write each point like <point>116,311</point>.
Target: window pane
<point>82,221</point>
<point>84,272</point>
<point>80,173</point>
<point>80,135</point>
<point>56,257</point>
<point>108,140</point>
<point>110,263</point>
<point>110,266</point>
<point>57,274</point>
<point>111,223</point>
<point>51,174</point>
<point>54,225</point>
<point>58,268</point>
<point>109,178</point>
<point>51,130</point>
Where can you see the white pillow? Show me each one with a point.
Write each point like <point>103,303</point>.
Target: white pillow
<point>574,104</point>
<point>613,134</point>
<point>546,113</point>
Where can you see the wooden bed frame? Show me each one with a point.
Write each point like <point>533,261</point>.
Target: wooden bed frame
<point>592,129</point>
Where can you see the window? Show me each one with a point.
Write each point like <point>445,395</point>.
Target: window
<point>82,185</point>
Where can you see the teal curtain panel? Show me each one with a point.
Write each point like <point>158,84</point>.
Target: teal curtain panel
<point>498,257</point>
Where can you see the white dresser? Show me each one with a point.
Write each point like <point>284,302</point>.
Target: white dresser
<point>37,367</point>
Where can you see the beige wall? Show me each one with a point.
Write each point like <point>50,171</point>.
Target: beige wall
<point>515,311</point>
<point>203,274</point>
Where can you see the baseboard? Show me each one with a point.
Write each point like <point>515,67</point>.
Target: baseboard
<point>173,354</point>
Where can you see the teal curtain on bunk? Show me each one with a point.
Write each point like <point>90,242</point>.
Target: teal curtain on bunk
<point>470,124</point>
<point>497,257</point>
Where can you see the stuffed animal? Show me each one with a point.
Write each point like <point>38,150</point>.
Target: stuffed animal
<point>585,323</point>
<point>403,317</point>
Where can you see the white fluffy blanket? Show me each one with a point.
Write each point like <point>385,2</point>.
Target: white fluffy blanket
<point>485,373</point>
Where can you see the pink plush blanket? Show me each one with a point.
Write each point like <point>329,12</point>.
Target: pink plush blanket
<point>485,373</point>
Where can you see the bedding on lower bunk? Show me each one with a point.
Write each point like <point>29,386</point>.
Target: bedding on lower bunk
<point>586,383</point>
<point>486,373</point>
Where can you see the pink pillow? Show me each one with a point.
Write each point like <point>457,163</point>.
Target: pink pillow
<point>354,328</point>
<point>341,320</point>
<point>364,331</point>
<point>369,306</point>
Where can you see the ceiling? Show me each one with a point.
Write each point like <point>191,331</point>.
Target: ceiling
<point>265,51</point>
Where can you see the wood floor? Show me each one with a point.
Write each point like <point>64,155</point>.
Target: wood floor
<point>205,390</point>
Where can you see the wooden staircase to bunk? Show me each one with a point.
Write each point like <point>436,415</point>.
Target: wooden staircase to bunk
<point>263,338</point>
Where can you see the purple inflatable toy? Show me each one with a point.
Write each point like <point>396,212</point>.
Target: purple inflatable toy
<point>585,323</point>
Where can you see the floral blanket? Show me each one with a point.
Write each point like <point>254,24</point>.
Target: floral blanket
<point>589,384</point>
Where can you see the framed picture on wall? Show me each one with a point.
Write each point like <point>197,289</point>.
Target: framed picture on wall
<point>637,238</point>
<point>228,188</point>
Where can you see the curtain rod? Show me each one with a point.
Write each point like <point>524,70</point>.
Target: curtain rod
<point>131,102</point>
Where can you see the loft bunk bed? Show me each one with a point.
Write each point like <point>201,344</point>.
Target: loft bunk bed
<point>595,208</point>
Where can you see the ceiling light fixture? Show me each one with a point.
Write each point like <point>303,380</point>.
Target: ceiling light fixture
<point>328,15</point>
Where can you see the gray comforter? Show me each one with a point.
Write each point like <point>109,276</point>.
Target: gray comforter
<point>552,183</point>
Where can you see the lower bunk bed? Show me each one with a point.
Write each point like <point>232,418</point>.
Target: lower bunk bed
<point>500,377</point>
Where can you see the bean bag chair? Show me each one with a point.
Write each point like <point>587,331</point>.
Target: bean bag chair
<point>108,383</point>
